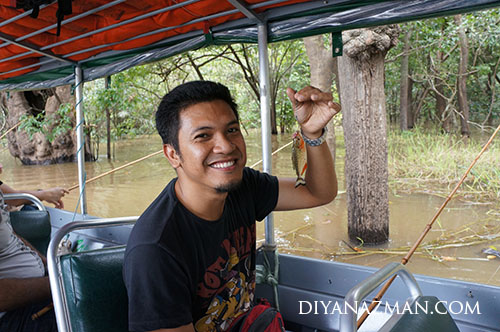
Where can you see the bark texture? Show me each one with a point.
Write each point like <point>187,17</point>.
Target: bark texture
<point>323,67</point>
<point>441,102</point>
<point>38,150</point>
<point>404,101</point>
<point>361,73</point>
<point>463,103</point>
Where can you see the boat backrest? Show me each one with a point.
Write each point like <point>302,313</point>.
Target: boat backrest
<point>95,294</point>
<point>87,286</point>
<point>430,315</point>
<point>32,225</point>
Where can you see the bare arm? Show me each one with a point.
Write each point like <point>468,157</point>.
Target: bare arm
<point>313,110</point>
<point>42,257</point>
<point>16,293</point>
<point>186,328</point>
<point>52,195</point>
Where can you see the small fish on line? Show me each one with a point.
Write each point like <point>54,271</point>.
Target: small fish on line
<point>299,158</point>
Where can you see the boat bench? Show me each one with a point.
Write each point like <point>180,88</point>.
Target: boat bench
<point>96,298</point>
<point>32,225</point>
<point>88,291</point>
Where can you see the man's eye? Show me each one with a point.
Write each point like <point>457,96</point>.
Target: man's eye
<point>233,130</point>
<point>201,136</point>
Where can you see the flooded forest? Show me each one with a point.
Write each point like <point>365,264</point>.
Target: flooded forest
<point>419,102</point>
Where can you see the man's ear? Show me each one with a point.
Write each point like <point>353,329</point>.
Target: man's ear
<point>173,157</point>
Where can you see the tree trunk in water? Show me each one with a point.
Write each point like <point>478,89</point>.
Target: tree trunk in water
<point>403,96</point>
<point>107,82</point>
<point>444,117</point>
<point>361,73</point>
<point>463,103</point>
<point>274,126</point>
<point>441,106</point>
<point>321,62</point>
<point>39,150</point>
<point>411,112</point>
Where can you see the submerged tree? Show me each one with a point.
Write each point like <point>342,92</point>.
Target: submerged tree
<point>47,117</point>
<point>361,74</point>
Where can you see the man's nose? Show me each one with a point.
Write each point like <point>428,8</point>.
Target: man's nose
<point>223,144</point>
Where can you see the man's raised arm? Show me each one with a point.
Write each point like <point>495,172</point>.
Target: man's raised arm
<point>313,110</point>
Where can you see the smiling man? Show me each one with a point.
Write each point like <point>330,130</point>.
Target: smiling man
<point>190,260</point>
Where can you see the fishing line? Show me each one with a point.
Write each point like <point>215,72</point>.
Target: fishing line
<point>272,154</point>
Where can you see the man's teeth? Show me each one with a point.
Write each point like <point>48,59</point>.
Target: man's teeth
<point>224,164</point>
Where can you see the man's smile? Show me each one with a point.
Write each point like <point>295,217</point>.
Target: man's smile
<point>223,164</point>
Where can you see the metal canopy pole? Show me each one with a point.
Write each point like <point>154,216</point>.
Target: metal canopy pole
<point>79,138</point>
<point>265,116</point>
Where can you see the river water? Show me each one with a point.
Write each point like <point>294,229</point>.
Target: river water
<point>317,232</point>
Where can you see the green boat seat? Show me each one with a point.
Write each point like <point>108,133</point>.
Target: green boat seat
<point>95,293</point>
<point>430,315</point>
<point>33,226</point>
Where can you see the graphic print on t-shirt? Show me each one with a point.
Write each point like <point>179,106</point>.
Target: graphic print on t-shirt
<point>229,283</point>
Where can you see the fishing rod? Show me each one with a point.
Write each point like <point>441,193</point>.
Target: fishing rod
<point>11,129</point>
<point>272,154</point>
<point>378,297</point>
<point>146,157</point>
<point>117,169</point>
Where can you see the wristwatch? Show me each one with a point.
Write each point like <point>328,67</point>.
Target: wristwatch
<point>315,142</point>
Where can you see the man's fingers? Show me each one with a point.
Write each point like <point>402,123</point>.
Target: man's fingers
<point>291,95</point>
<point>335,106</point>
<point>313,94</point>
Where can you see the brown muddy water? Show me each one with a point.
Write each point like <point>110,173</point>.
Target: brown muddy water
<point>317,233</point>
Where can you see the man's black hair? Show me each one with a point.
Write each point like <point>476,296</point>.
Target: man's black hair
<point>183,96</point>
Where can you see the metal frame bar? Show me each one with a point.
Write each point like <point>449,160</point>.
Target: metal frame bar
<point>53,262</point>
<point>28,197</point>
<point>80,140</point>
<point>242,7</point>
<point>69,20</point>
<point>132,20</point>
<point>33,49</point>
<point>262,4</point>
<point>20,16</point>
<point>265,116</point>
<point>196,20</point>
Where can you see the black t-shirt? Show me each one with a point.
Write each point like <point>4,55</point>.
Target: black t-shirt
<point>181,269</point>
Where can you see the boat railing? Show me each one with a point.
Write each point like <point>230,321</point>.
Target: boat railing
<point>54,264</point>
<point>356,294</point>
<point>28,197</point>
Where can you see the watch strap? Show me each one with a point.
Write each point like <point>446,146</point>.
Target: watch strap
<point>315,142</point>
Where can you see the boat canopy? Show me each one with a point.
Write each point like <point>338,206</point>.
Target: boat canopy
<point>42,46</point>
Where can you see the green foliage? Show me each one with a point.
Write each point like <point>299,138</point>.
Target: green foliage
<point>51,126</point>
<point>434,57</point>
<point>131,100</point>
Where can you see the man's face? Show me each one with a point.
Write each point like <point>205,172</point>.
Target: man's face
<point>211,147</point>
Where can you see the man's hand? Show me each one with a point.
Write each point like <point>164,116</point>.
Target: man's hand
<point>54,196</point>
<point>313,109</point>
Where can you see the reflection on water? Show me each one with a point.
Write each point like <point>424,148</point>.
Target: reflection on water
<point>318,232</point>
